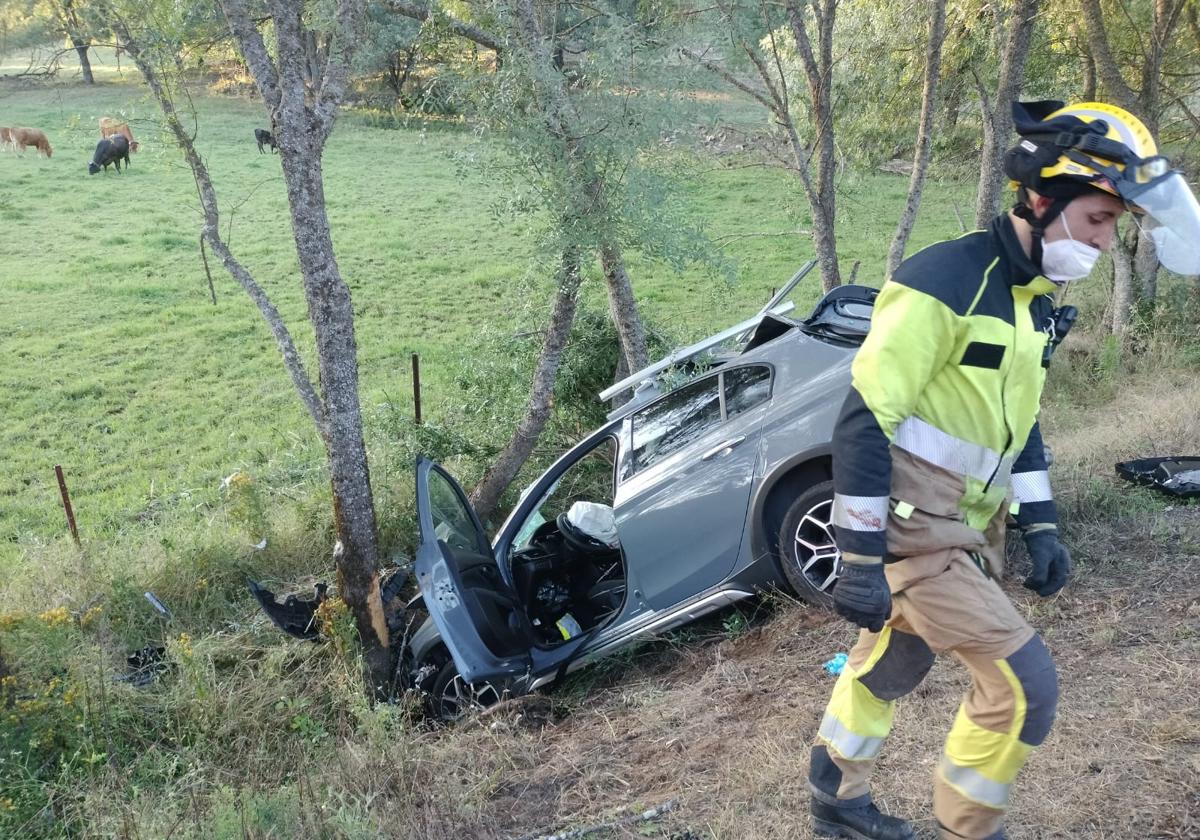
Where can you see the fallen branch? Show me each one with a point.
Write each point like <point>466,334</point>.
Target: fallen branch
<point>645,816</point>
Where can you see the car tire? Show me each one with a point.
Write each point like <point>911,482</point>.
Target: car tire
<point>450,698</point>
<point>807,553</point>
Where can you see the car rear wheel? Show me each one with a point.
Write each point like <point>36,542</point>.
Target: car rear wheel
<point>808,555</point>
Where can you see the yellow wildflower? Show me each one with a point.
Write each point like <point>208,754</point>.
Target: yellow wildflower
<point>8,620</point>
<point>91,615</point>
<point>56,616</point>
<point>185,644</point>
<point>7,804</point>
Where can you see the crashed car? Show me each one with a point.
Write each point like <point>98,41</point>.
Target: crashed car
<point>682,503</point>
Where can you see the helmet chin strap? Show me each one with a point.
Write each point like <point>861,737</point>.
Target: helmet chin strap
<point>1038,224</point>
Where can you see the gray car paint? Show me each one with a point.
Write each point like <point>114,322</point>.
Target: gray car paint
<point>677,569</point>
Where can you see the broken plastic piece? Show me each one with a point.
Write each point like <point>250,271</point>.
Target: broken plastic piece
<point>834,666</point>
<point>295,616</point>
<point>158,605</point>
<point>145,664</point>
<point>1177,476</point>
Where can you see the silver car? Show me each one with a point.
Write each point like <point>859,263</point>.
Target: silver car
<point>682,503</point>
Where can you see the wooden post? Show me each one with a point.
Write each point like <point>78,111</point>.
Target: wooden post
<point>66,500</point>
<point>416,363</point>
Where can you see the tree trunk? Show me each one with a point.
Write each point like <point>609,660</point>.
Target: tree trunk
<point>1145,267</point>
<point>85,64</point>
<point>929,94</point>
<point>998,124</point>
<point>508,463</point>
<point>818,72</point>
<point>622,306</point>
<point>1122,286</point>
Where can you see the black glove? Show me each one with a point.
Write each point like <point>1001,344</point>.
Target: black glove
<point>862,595</point>
<point>1051,562</point>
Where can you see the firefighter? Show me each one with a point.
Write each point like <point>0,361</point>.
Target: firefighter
<point>938,443</point>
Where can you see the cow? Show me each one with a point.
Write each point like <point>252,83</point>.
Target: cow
<point>112,150</point>
<point>110,126</point>
<point>264,138</point>
<point>6,138</point>
<point>23,137</point>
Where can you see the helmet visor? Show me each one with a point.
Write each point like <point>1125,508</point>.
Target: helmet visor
<point>1172,221</point>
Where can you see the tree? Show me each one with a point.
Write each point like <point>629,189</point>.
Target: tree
<point>929,95</point>
<point>1135,263</point>
<point>303,113</point>
<point>572,135</point>
<point>769,36</point>
<point>70,21</point>
<point>1017,31</point>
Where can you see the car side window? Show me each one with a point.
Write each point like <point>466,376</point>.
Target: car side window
<point>674,421</point>
<point>746,387</point>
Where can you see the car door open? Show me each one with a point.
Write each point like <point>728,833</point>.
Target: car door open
<point>476,612</point>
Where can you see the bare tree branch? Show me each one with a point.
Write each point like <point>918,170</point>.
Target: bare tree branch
<point>211,227</point>
<point>419,11</point>
<point>717,70</point>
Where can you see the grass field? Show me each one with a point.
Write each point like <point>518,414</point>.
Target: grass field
<point>115,364</point>
<point>119,367</point>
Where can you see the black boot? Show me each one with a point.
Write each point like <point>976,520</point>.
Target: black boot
<point>863,822</point>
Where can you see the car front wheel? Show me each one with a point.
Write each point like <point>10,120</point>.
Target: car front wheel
<point>808,556</point>
<point>450,696</point>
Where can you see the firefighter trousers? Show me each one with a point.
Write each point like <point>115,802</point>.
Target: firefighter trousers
<point>942,603</point>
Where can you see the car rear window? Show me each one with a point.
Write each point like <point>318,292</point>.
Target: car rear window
<point>746,387</point>
<point>675,421</point>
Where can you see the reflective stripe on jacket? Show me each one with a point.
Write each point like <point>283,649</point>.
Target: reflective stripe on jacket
<point>939,428</point>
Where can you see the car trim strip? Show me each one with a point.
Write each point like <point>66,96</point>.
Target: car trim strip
<point>860,513</point>
<point>1032,486</point>
<point>927,441</point>
<point>849,745</point>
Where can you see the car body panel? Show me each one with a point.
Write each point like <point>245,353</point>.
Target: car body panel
<point>693,525</point>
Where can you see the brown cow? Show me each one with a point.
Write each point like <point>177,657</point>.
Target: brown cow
<point>110,126</point>
<point>23,137</point>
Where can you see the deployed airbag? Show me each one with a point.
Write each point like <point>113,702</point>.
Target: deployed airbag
<point>596,521</point>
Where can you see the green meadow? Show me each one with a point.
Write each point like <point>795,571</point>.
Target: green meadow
<point>118,366</point>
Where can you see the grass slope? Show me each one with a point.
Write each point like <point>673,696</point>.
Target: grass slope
<point>118,367</point>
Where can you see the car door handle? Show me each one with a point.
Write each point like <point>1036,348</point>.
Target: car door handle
<point>722,447</point>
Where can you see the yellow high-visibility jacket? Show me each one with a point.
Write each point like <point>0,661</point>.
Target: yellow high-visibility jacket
<point>938,439</point>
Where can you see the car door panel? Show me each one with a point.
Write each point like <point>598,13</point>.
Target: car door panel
<point>682,518</point>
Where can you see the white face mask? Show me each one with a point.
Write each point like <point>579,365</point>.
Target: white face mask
<point>1064,260</point>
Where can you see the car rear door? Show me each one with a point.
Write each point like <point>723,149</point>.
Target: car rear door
<point>475,611</point>
<point>685,483</point>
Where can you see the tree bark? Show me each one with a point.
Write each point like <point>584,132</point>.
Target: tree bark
<point>85,64</point>
<point>997,122</point>
<point>929,95</point>
<point>622,306</point>
<point>818,72</point>
<point>508,463</point>
<point>1145,267</point>
<point>1123,281</point>
<point>303,109</point>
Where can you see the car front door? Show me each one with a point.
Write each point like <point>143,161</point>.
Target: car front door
<point>474,609</point>
<point>685,480</point>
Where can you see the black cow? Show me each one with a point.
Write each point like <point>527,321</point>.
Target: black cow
<point>264,138</point>
<point>112,150</point>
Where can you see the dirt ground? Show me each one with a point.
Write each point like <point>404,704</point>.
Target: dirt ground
<point>720,728</point>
